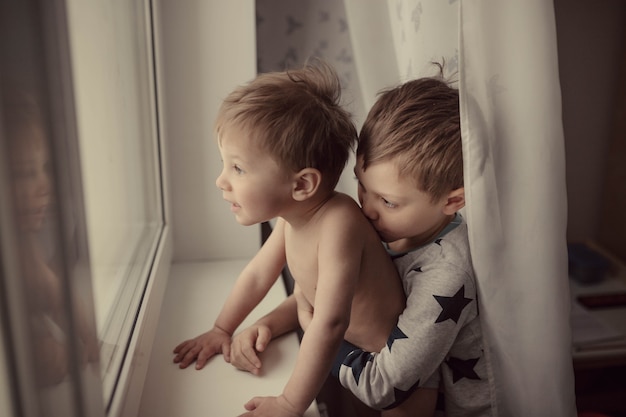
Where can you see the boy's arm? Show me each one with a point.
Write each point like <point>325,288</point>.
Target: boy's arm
<point>339,260</point>
<point>251,286</point>
<point>417,346</point>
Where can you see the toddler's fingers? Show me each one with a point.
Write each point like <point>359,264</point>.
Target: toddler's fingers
<point>201,361</point>
<point>180,356</point>
<point>180,350</point>
<point>226,351</point>
<point>263,339</point>
<point>252,404</point>
<point>186,357</point>
<point>240,361</point>
<point>180,347</point>
<point>250,354</point>
<point>202,357</point>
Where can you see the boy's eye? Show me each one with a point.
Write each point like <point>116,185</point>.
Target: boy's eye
<point>238,169</point>
<point>388,203</point>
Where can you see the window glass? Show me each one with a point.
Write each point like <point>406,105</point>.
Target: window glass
<point>111,56</point>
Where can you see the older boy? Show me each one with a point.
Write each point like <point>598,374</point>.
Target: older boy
<point>284,141</point>
<point>410,173</point>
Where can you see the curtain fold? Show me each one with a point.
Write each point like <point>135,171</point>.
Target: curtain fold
<point>372,42</point>
<point>516,200</point>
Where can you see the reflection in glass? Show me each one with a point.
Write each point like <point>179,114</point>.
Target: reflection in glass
<point>32,196</point>
<point>50,347</point>
<point>60,340</point>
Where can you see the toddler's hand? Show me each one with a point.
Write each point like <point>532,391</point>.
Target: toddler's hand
<point>246,345</point>
<point>202,348</point>
<point>270,407</point>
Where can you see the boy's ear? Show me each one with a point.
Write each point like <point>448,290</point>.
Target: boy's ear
<point>306,183</point>
<point>454,201</point>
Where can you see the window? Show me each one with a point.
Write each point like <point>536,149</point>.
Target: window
<point>81,201</point>
<point>111,57</point>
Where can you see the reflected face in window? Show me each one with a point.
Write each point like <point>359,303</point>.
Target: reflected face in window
<point>31,177</point>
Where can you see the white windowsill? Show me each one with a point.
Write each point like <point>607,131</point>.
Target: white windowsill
<point>193,298</point>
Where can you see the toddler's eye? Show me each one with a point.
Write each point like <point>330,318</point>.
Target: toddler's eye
<point>237,169</point>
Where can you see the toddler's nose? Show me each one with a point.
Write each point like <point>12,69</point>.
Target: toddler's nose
<point>220,182</point>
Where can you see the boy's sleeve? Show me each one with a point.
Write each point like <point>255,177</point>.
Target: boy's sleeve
<point>438,305</point>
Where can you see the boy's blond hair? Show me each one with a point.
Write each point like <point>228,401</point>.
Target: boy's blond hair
<point>418,125</point>
<point>296,117</point>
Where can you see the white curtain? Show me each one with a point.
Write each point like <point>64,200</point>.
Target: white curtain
<point>503,54</point>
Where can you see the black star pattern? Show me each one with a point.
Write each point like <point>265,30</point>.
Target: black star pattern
<point>396,333</point>
<point>462,368</point>
<point>357,361</point>
<point>400,395</point>
<point>452,307</point>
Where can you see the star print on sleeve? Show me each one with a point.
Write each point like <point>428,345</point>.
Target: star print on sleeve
<point>357,360</point>
<point>396,334</point>
<point>462,368</point>
<point>452,307</point>
<point>400,396</point>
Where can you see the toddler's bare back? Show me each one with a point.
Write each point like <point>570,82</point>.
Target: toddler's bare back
<point>378,298</point>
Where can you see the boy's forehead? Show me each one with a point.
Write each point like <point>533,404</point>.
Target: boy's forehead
<point>384,178</point>
<point>386,168</point>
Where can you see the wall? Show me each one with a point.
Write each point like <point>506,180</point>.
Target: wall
<point>590,40</point>
<point>209,47</point>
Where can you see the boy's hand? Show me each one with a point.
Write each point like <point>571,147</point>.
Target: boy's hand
<point>246,345</point>
<point>270,407</point>
<point>202,348</point>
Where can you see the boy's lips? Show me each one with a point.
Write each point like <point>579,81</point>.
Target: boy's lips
<point>381,234</point>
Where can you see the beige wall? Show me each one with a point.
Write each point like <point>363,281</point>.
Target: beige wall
<point>209,47</point>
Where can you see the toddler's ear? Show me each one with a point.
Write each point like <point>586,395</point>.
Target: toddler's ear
<point>455,201</point>
<point>306,183</point>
